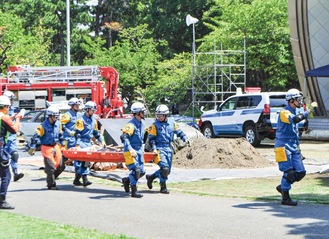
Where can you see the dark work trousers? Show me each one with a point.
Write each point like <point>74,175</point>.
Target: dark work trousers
<point>52,172</point>
<point>5,179</point>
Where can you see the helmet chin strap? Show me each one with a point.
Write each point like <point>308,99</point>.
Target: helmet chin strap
<point>299,104</point>
<point>139,114</point>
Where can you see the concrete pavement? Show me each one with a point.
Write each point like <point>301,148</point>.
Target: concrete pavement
<point>109,209</point>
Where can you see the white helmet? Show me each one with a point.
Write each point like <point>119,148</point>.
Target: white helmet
<point>293,94</point>
<point>4,100</point>
<point>162,110</point>
<point>9,94</point>
<point>138,107</point>
<point>52,111</point>
<point>74,101</point>
<point>90,105</point>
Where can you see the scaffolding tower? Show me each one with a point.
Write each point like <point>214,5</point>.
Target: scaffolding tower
<point>217,75</point>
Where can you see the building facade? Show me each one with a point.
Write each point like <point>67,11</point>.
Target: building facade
<point>309,33</point>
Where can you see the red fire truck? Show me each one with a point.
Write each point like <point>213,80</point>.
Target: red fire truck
<point>35,86</point>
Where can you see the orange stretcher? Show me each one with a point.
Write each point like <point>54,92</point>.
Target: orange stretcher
<point>101,155</point>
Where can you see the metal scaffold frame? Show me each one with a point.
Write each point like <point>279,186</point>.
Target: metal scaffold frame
<point>217,75</point>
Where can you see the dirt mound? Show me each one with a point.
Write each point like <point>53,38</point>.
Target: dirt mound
<point>220,153</point>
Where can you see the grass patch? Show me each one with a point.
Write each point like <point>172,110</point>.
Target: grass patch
<point>312,189</point>
<point>21,227</point>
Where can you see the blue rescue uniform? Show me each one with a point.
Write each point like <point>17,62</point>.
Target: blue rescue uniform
<point>86,129</point>
<point>287,151</point>
<point>135,130</point>
<point>68,121</point>
<point>161,134</point>
<point>51,139</point>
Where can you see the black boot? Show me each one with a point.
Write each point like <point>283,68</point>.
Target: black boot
<point>164,188</point>
<point>278,188</point>
<point>126,183</point>
<point>53,187</point>
<point>18,176</point>
<point>134,192</point>
<point>150,179</point>
<point>4,204</point>
<point>286,200</point>
<point>76,181</point>
<point>85,180</point>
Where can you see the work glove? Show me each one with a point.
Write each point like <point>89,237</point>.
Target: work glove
<point>133,153</point>
<point>72,133</point>
<point>31,151</point>
<point>313,106</point>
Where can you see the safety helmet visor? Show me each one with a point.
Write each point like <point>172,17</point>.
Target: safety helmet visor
<point>74,101</point>
<point>300,99</point>
<point>162,110</point>
<point>138,107</point>
<point>52,112</point>
<point>90,105</point>
<point>160,117</point>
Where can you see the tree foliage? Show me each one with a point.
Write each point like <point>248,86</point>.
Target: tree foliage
<point>135,56</point>
<point>147,41</point>
<point>17,48</point>
<point>264,26</point>
<point>173,81</point>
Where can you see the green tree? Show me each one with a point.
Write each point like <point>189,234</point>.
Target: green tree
<point>17,48</point>
<point>167,20</point>
<point>52,15</point>
<point>264,26</point>
<point>174,80</point>
<point>135,56</point>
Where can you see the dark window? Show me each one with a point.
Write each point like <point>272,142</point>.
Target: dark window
<point>247,102</point>
<point>255,100</point>
<point>278,101</point>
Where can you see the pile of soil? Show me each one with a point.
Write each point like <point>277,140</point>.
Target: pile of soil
<point>219,153</point>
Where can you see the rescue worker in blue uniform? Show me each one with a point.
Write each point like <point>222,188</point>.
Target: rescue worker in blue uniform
<point>287,151</point>
<point>11,145</point>
<point>133,138</point>
<point>161,134</point>
<point>50,134</point>
<point>86,130</point>
<point>6,125</point>
<point>68,120</point>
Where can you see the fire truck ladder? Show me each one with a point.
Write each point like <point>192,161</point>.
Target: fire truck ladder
<point>54,74</point>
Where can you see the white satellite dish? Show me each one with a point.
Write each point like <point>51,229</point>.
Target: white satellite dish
<point>191,20</point>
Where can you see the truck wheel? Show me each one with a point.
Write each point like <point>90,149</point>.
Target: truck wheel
<point>207,131</point>
<point>251,135</point>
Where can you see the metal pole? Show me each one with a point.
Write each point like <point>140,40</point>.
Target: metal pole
<point>68,37</point>
<point>193,73</point>
<point>244,63</point>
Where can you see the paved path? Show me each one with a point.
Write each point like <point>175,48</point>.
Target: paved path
<point>111,210</point>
